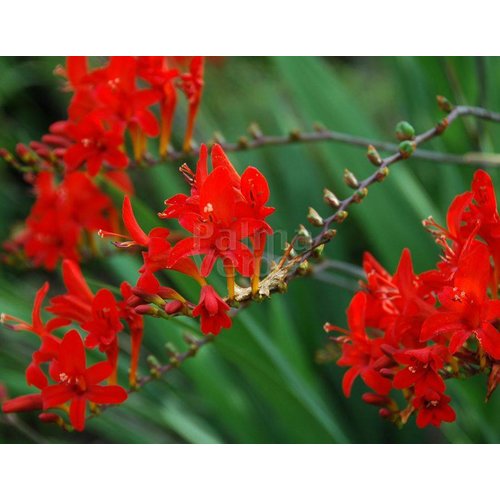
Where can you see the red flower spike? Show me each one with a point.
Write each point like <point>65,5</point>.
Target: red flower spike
<point>213,311</point>
<point>77,384</point>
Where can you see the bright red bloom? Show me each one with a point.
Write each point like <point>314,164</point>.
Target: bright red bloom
<point>466,309</point>
<point>362,353</point>
<point>213,311</point>
<point>223,209</point>
<point>422,368</point>
<point>433,408</point>
<point>61,215</point>
<point>77,384</point>
<point>95,143</point>
<point>49,346</point>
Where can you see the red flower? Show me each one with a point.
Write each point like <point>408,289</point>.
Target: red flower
<point>77,384</point>
<point>213,311</point>
<point>422,370</point>
<point>49,346</point>
<point>95,143</point>
<point>223,210</point>
<point>360,352</point>
<point>433,408</point>
<point>466,309</point>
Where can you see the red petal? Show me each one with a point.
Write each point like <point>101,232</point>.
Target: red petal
<point>349,378</point>
<point>37,305</point>
<point>438,323</point>
<point>98,372</point>
<point>55,395</point>
<point>135,231</point>
<point>111,394</point>
<point>72,354</point>
<point>75,282</point>
<point>77,413</point>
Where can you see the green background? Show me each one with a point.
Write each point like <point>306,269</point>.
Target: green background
<point>259,382</point>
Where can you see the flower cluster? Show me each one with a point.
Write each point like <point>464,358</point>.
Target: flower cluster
<point>58,367</point>
<point>410,332</point>
<point>109,103</point>
<point>225,216</point>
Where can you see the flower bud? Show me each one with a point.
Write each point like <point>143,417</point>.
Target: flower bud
<point>375,399</point>
<point>255,131</point>
<point>330,199</point>
<point>314,218</point>
<point>304,236</point>
<point>318,251</point>
<point>382,174</point>
<point>407,148</point>
<point>373,155</point>
<point>340,216</point>
<point>28,402</point>
<point>173,307</point>
<point>444,104</point>
<point>304,268</point>
<point>404,131</point>
<point>330,234</point>
<point>350,179</point>
<point>442,126</point>
<point>360,195</point>
<point>294,135</point>
<point>243,142</point>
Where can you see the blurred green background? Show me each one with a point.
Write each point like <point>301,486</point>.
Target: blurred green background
<point>259,382</point>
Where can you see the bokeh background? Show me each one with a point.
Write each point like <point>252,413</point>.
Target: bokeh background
<point>260,382</point>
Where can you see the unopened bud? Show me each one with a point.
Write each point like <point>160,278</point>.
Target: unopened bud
<point>314,218</point>
<point>152,361</point>
<point>340,216</point>
<point>294,135</point>
<point>243,142</point>
<point>373,155</point>
<point>304,268</point>
<point>350,179</point>
<point>360,195</point>
<point>330,234</point>
<point>382,174</point>
<point>442,126</point>
<point>384,413</point>
<point>146,310</point>
<point>319,127</point>
<point>407,148</point>
<point>173,307</point>
<point>444,104</point>
<point>282,287</point>
<point>330,199</point>
<point>375,399</point>
<point>404,131</point>
<point>255,131</point>
<point>318,251</point>
<point>304,236</point>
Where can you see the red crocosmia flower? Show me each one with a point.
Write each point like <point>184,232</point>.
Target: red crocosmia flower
<point>96,143</point>
<point>213,311</point>
<point>433,408</point>
<point>360,352</point>
<point>222,210</point>
<point>49,347</point>
<point>466,309</point>
<point>78,384</point>
<point>422,368</point>
<point>61,215</point>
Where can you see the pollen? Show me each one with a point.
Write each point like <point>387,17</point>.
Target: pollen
<point>208,208</point>
<point>63,377</point>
